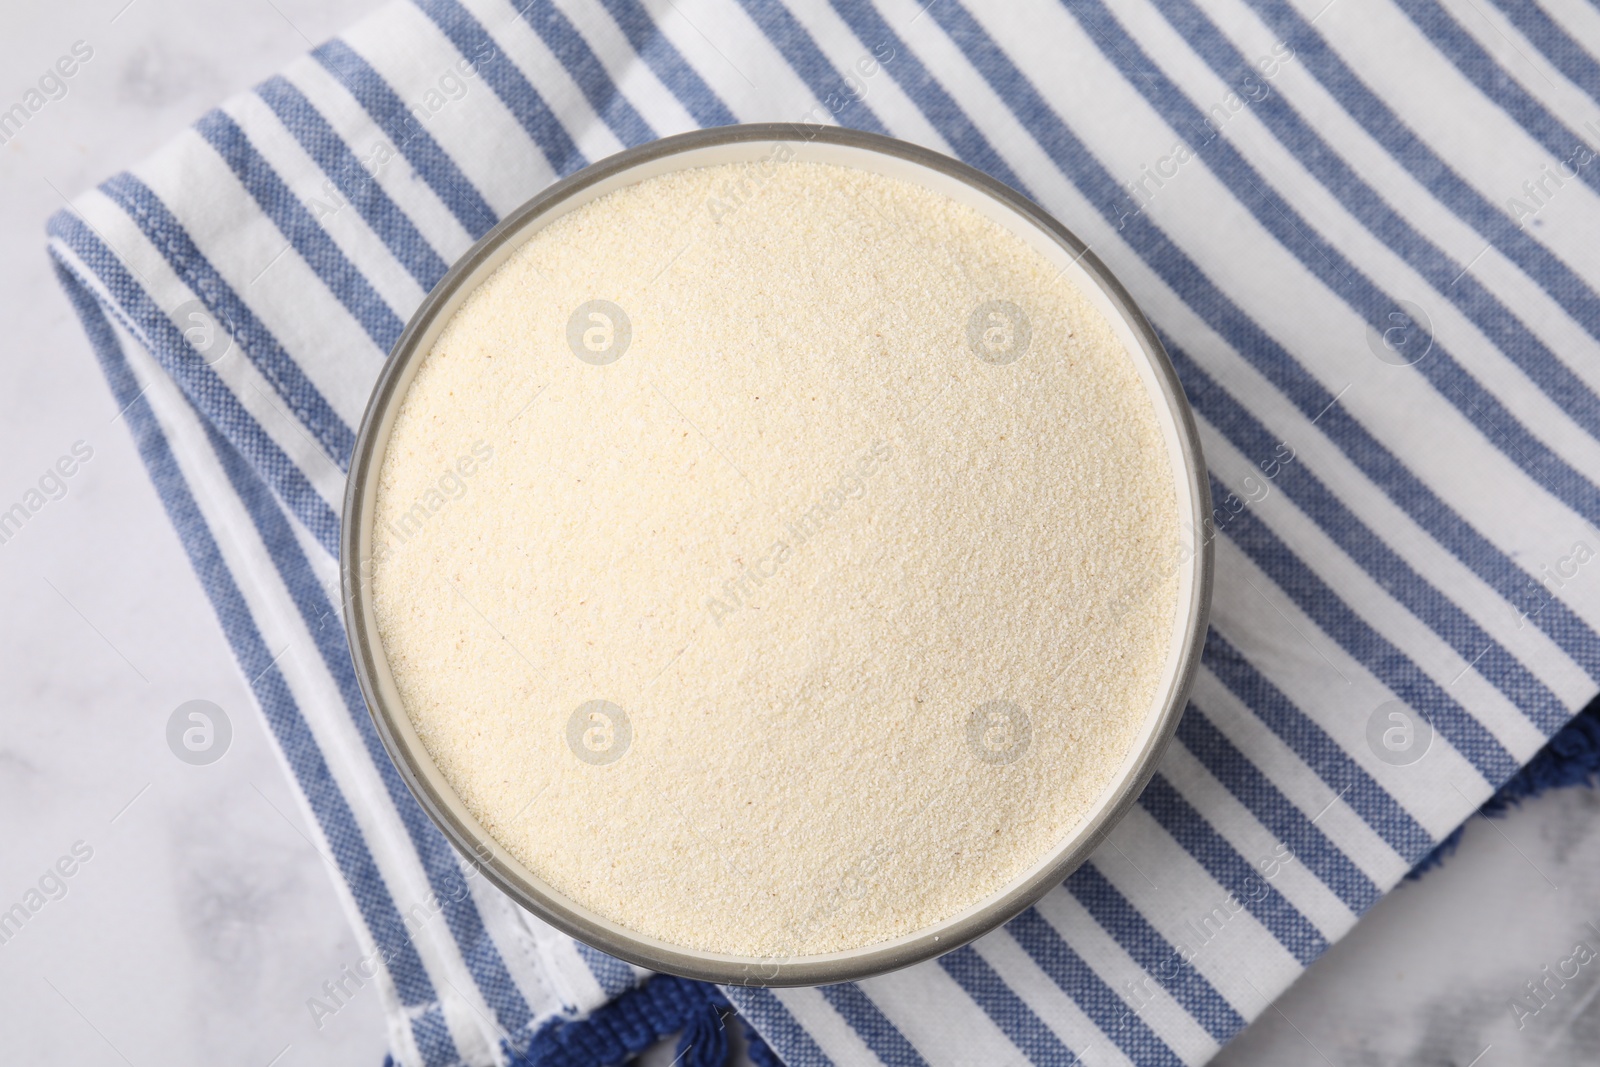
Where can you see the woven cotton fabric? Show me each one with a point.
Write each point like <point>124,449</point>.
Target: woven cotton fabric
<point>1364,230</point>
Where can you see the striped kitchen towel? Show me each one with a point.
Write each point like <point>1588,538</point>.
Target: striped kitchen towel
<point>1365,230</point>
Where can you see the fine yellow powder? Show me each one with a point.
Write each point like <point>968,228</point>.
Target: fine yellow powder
<point>777,559</point>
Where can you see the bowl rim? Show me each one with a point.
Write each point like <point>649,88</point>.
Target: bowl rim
<point>495,863</point>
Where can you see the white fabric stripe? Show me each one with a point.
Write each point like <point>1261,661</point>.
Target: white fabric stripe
<point>937,1017</point>
<point>347,229</point>
<point>411,54</point>
<point>580,981</point>
<point>720,40</point>
<point>1399,64</point>
<point>521,945</point>
<point>1340,709</point>
<point>1531,544</point>
<point>1405,193</point>
<point>1055,1009</point>
<point>442,230</point>
<point>253,392</point>
<point>1325,806</point>
<point>1185,894</point>
<point>1369,254</point>
<point>1158,1009</point>
<point>716,68</point>
<point>1577,17</point>
<point>1257,844</point>
<point>878,91</point>
<point>548,77</point>
<point>967,87</point>
<point>823,1023</point>
<point>1199,211</point>
<point>1499,37</point>
<point>632,75</point>
<point>1386,615</point>
<point>299,310</point>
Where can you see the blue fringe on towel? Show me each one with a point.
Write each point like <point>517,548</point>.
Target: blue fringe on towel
<point>620,1030</point>
<point>1571,757</point>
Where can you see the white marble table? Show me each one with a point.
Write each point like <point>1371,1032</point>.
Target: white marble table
<point>203,920</point>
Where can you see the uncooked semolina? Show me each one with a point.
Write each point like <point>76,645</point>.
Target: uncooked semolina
<point>783,575</point>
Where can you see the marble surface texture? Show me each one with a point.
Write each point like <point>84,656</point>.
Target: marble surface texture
<point>203,920</point>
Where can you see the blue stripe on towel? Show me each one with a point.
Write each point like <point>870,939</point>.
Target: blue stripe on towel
<point>1077,979</point>
<point>1353,785</point>
<point>594,81</point>
<point>1398,671</point>
<point>301,118</point>
<point>1449,278</point>
<point>918,82</point>
<point>658,53</point>
<point>303,233</point>
<point>613,976</point>
<point>762,1007</point>
<point>1161,959</point>
<point>826,82</point>
<point>1494,82</point>
<point>514,90</point>
<point>233,314</point>
<point>432,164</point>
<point>1556,45</point>
<point>1007,1010</point>
<point>1232,871</point>
<point>1274,811</point>
<point>1323,259</point>
<point>200,383</point>
<point>1433,171</point>
<point>868,1021</point>
<point>1386,566</point>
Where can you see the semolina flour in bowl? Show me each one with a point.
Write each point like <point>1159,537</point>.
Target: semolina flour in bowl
<point>777,563</point>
